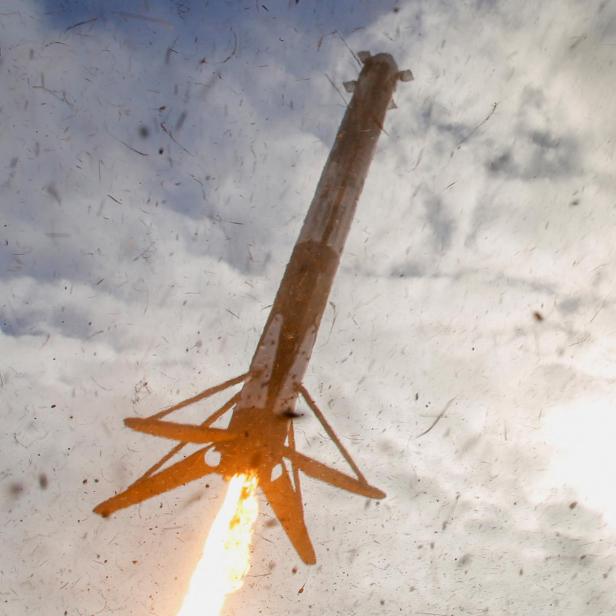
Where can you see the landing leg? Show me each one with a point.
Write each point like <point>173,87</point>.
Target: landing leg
<point>177,448</point>
<point>341,448</point>
<point>206,393</point>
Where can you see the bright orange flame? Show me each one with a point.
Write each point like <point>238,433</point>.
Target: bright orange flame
<point>226,559</point>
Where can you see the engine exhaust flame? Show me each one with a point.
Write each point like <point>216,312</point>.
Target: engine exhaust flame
<point>225,559</point>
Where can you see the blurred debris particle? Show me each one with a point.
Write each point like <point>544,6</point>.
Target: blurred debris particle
<point>168,132</point>
<point>156,20</point>
<point>170,50</point>
<point>81,23</point>
<point>181,120</point>
<point>234,47</point>
<point>15,489</point>
<point>291,414</point>
<point>437,419</point>
<point>130,147</point>
<point>53,192</point>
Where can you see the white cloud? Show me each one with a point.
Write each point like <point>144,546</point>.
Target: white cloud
<point>130,280</point>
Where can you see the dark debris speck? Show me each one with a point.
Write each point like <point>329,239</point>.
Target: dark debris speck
<point>16,488</point>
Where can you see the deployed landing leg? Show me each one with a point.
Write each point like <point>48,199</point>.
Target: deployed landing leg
<point>153,481</point>
<point>358,485</point>
<point>283,493</point>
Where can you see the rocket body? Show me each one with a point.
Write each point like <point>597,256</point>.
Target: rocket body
<point>260,431</point>
<point>286,344</point>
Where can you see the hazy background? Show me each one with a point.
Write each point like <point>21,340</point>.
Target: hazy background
<point>157,160</point>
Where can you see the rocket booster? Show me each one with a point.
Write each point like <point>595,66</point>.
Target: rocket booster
<point>286,344</point>
<point>260,432</point>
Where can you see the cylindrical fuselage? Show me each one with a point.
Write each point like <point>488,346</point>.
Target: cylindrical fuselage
<point>286,344</point>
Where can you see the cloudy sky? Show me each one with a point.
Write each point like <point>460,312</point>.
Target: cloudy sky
<point>157,160</point>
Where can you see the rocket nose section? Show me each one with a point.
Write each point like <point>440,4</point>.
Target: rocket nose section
<point>384,60</point>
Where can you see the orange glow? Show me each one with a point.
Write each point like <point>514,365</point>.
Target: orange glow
<point>225,560</point>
